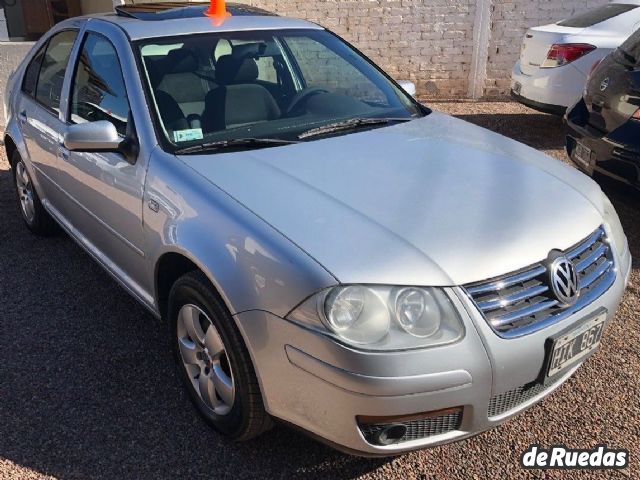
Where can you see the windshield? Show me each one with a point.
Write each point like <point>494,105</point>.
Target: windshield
<point>264,84</point>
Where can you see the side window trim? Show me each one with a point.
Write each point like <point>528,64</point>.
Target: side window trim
<point>72,83</point>
<point>45,45</point>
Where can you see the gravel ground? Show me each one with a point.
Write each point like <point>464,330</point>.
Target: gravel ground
<point>88,388</point>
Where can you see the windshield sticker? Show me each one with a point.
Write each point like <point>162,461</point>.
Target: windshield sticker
<point>187,135</point>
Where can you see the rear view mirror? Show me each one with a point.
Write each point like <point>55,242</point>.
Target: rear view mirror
<point>100,136</point>
<point>408,86</point>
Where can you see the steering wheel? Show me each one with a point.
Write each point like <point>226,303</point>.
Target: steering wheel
<point>302,96</point>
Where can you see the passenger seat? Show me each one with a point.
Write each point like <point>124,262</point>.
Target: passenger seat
<point>177,76</point>
<point>238,100</point>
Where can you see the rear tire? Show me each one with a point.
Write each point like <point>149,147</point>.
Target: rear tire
<point>213,361</point>
<point>33,213</point>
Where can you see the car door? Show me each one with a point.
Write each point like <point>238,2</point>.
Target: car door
<point>104,190</point>
<point>40,106</point>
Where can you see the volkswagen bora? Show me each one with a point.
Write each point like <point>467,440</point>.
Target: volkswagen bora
<point>326,251</point>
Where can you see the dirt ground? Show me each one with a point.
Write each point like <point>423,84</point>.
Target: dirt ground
<point>88,388</point>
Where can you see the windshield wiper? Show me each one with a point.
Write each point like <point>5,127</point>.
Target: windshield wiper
<point>349,125</point>
<point>233,143</point>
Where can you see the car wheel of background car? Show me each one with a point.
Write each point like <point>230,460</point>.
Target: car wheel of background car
<point>213,360</point>
<point>33,213</point>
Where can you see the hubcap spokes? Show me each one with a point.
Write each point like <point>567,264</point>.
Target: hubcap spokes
<point>25,192</point>
<point>205,360</point>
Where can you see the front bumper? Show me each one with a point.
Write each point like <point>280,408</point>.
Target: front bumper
<point>615,154</point>
<point>549,90</point>
<point>320,386</point>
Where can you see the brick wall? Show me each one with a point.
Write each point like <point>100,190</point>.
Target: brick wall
<point>431,41</point>
<point>427,41</point>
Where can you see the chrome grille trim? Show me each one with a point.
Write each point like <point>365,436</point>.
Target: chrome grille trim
<point>523,312</point>
<point>595,274</point>
<point>591,258</point>
<point>513,298</point>
<point>586,243</point>
<point>507,282</point>
<point>521,303</point>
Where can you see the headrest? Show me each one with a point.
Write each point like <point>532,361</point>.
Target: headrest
<point>230,70</point>
<point>180,60</point>
<point>250,50</point>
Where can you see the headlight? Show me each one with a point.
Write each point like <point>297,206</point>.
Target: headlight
<point>381,317</point>
<point>613,226</point>
<point>417,312</point>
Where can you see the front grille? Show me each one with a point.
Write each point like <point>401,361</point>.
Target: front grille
<point>416,429</point>
<point>522,302</point>
<point>514,398</point>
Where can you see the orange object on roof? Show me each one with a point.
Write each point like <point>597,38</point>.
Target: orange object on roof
<point>218,8</point>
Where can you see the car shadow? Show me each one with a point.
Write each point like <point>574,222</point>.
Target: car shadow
<point>538,130</point>
<point>626,201</point>
<point>89,386</point>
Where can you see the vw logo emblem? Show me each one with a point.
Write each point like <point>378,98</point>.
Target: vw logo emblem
<point>564,281</point>
<point>604,84</point>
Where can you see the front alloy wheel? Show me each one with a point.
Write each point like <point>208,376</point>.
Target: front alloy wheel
<point>205,359</point>
<point>213,360</point>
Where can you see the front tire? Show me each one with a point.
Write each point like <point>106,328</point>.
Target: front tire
<point>213,360</point>
<point>33,213</point>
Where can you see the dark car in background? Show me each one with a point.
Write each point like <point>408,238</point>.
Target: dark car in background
<point>604,126</point>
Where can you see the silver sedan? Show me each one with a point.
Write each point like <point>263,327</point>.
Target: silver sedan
<point>326,251</point>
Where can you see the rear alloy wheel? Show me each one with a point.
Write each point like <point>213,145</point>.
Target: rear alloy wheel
<point>213,360</point>
<point>33,213</point>
<point>25,193</point>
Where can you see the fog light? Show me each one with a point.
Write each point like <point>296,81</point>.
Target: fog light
<point>390,434</point>
<point>403,428</point>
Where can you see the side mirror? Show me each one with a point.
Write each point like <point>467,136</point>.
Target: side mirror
<point>100,136</point>
<point>408,86</point>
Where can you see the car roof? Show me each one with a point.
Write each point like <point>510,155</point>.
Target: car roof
<point>167,19</point>
<point>169,10</point>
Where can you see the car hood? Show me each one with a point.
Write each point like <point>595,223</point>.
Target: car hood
<point>435,201</point>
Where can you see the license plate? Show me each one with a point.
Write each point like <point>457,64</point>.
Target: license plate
<point>582,156</point>
<point>517,88</point>
<point>576,344</point>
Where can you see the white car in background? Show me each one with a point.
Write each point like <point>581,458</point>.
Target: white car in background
<point>556,59</point>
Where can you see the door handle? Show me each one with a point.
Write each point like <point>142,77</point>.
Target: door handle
<point>22,116</point>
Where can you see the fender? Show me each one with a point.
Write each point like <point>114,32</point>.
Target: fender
<point>13,133</point>
<point>253,266</point>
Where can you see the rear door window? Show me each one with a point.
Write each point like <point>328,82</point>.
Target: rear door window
<point>598,15</point>
<point>30,80</point>
<point>53,69</point>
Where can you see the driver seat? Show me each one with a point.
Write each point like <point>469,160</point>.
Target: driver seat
<point>237,101</point>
